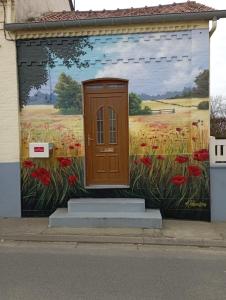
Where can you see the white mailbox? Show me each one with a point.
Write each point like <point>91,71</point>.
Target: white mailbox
<point>40,150</point>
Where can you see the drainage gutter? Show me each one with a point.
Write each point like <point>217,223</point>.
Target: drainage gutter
<point>214,26</point>
<point>209,15</point>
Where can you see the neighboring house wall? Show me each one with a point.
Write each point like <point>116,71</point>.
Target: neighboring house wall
<point>26,9</point>
<point>9,125</point>
<point>218,191</point>
<point>168,139</point>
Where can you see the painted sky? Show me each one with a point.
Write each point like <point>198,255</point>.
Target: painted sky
<point>218,40</point>
<point>154,63</point>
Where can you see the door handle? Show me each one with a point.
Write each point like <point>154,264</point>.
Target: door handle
<point>89,140</point>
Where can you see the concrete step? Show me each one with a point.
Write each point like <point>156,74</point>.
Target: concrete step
<point>148,219</point>
<point>106,205</point>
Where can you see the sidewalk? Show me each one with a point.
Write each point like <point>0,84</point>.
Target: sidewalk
<point>174,232</point>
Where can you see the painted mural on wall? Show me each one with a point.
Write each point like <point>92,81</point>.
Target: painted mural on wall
<point>168,77</point>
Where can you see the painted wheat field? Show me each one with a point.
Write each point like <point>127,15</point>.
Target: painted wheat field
<point>168,157</point>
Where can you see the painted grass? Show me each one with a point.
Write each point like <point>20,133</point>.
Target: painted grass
<point>155,143</point>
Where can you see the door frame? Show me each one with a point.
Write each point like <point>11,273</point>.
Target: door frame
<point>94,81</point>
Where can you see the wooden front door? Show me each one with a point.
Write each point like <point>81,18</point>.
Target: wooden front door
<point>106,132</point>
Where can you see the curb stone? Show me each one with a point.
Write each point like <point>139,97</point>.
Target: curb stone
<point>141,240</point>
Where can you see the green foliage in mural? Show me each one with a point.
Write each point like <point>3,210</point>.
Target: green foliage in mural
<point>135,107</point>
<point>69,96</point>
<point>202,85</point>
<point>204,105</point>
<point>69,50</point>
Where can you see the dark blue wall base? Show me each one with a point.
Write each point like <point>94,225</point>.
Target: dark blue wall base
<point>10,195</point>
<point>218,193</point>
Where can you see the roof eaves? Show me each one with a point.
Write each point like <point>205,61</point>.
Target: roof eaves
<point>208,15</point>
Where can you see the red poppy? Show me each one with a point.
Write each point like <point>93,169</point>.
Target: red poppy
<point>195,124</point>
<point>181,159</point>
<point>146,160</point>
<point>28,164</point>
<point>194,171</point>
<point>178,129</point>
<point>160,157</point>
<point>45,180</point>
<point>42,175</point>
<point>78,145</point>
<point>201,155</point>
<point>71,147</point>
<point>179,180</point>
<point>154,147</point>
<point>194,139</point>
<point>64,162</point>
<point>143,145</point>
<point>34,174</point>
<point>72,179</point>
<point>38,173</point>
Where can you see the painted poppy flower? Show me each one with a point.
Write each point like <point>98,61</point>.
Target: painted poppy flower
<point>160,157</point>
<point>194,139</point>
<point>201,155</point>
<point>146,160</point>
<point>154,147</point>
<point>178,129</point>
<point>42,172</point>
<point>194,171</point>
<point>72,179</point>
<point>195,124</point>
<point>42,175</point>
<point>179,180</point>
<point>38,173</point>
<point>45,180</point>
<point>71,147</point>
<point>64,162</point>
<point>181,159</point>
<point>143,145</point>
<point>34,174</point>
<point>28,164</point>
<point>77,145</point>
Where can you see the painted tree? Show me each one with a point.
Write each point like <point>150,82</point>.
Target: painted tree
<point>135,107</point>
<point>36,59</point>
<point>69,95</point>
<point>202,85</point>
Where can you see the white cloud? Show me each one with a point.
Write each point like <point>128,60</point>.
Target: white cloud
<point>148,48</point>
<point>218,41</point>
<point>153,78</point>
<point>180,76</point>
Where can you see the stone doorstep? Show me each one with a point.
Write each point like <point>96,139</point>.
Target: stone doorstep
<point>106,205</point>
<point>147,219</point>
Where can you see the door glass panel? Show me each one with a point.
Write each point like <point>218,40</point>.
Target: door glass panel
<point>100,126</point>
<point>112,126</point>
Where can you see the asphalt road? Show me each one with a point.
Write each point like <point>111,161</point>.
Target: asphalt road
<point>69,271</point>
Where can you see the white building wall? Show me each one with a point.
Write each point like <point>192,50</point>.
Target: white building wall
<point>10,196</point>
<point>9,114</point>
<point>27,9</point>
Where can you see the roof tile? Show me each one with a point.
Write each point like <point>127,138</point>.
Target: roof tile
<point>175,8</point>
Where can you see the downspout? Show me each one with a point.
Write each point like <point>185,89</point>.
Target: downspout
<point>214,26</point>
<point>212,30</point>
